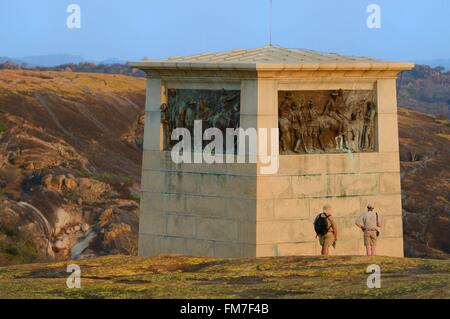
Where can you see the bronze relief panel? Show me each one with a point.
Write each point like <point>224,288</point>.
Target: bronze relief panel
<point>335,121</point>
<point>214,108</point>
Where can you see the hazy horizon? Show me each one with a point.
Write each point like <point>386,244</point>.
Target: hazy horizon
<point>129,30</point>
<point>86,58</point>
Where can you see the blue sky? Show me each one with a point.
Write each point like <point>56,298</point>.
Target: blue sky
<point>410,29</point>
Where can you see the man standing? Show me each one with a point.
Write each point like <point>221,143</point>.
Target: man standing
<point>369,222</point>
<point>326,229</point>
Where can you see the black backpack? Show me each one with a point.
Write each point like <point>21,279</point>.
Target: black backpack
<point>321,224</point>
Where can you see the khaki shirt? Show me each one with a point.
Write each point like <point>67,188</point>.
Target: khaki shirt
<point>368,220</point>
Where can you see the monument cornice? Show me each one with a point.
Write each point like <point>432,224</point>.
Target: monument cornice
<point>241,67</point>
<point>270,62</point>
<point>238,71</point>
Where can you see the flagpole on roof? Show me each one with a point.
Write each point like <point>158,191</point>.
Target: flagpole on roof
<point>270,23</point>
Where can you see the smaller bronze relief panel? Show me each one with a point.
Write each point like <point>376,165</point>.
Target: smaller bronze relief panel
<point>214,108</point>
<point>337,121</point>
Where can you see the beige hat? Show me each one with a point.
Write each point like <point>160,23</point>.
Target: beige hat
<point>370,205</point>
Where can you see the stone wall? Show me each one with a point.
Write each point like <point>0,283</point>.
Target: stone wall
<point>198,209</point>
<point>289,202</point>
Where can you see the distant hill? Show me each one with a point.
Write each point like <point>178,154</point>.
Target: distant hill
<point>50,60</point>
<point>436,63</point>
<point>5,59</point>
<point>90,67</point>
<point>113,61</point>
<point>54,60</point>
<point>425,89</point>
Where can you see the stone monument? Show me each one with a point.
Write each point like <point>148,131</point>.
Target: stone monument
<point>338,144</point>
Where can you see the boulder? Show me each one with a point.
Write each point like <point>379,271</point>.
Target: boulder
<point>70,183</point>
<point>115,230</point>
<point>53,182</point>
<point>85,227</point>
<point>47,180</point>
<point>63,242</point>
<point>29,167</point>
<point>58,182</point>
<point>84,182</point>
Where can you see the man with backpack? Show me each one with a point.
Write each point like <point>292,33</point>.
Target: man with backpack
<point>326,229</point>
<point>369,222</point>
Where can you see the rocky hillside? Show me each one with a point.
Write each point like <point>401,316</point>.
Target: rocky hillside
<point>89,67</point>
<point>69,164</point>
<point>198,277</point>
<point>425,165</point>
<point>425,89</point>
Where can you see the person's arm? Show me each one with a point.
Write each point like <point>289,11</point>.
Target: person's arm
<point>334,226</point>
<point>360,223</point>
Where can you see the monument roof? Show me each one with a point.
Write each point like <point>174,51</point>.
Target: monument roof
<point>272,58</point>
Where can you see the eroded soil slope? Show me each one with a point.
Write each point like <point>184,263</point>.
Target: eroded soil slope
<point>425,169</point>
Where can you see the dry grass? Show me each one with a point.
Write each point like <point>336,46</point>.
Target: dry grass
<point>201,277</point>
<point>66,84</point>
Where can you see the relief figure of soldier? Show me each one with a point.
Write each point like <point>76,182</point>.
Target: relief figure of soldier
<point>284,123</point>
<point>298,123</point>
<point>369,127</point>
<point>337,121</point>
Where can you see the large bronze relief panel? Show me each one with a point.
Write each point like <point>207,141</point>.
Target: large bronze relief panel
<point>338,121</point>
<point>214,108</point>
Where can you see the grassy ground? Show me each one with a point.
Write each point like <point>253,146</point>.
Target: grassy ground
<point>199,277</point>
